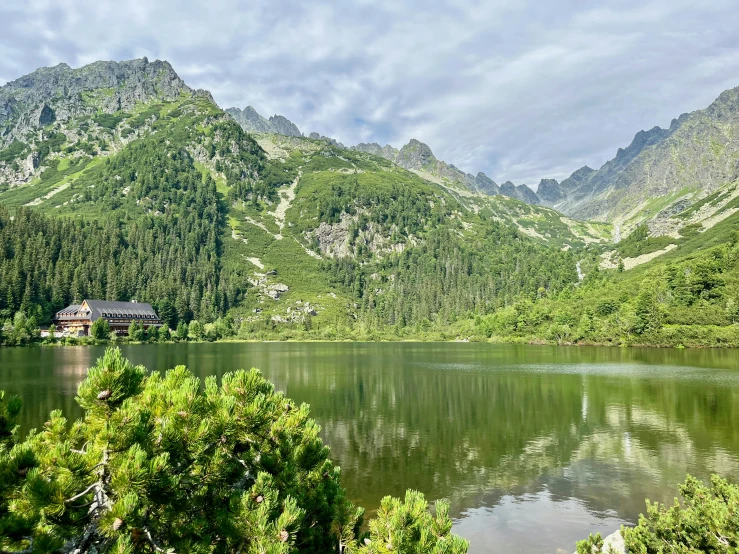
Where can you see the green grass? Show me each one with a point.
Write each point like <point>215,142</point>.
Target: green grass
<point>59,173</point>
<point>109,121</point>
<point>13,152</point>
<point>712,199</point>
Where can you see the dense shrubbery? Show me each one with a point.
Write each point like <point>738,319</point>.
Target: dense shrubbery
<point>160,464</point>
<point>19,331</point>
<point>707,520</point>
<point>690,301</point>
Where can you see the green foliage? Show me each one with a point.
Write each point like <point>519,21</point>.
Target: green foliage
<point>592,545</point>
<point>13,152</point>
<point>639,242</point>
<point>52,143</point>
<point>705,521</point>
<point>689,300</point>
<point>19,331</point>
<point>136,332</point>
<point>109,121</point>
<point>195,330</point>
<point>161,464</point>
<point>182,331</point>
<point>447,277</point>
<point>100,329</point>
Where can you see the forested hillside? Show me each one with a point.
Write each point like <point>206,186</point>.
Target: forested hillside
<point>689,297</point>
<point>162,197</point>
<point>117,181</point>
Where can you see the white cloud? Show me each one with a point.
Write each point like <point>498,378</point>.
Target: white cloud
<point>521,90</point>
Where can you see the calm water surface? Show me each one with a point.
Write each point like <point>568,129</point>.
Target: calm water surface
<point>535,446</point>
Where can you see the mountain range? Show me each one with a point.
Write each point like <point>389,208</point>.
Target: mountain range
<point>659,174</point>
<point>208,213</point>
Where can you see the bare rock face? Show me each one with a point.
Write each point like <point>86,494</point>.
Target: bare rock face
<point>415,155</point>
<point>284,126</point>
<point>31,163</point>
<point>333,142</point>
<point>698,152</point>
<point>485,184</point>
<point>549,192</point>
<point>387,151</point>
<point>519,192</point>
<point>333,240</point>
<point>252,122</point>
<point>60,93</point>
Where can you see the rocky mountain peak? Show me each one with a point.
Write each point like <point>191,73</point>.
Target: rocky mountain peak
<point>519,192</point>
<point>61,93</point>
<point>415,155</point>
<point>250,120</point>
<point>642,139</point>
<point>284,126</point>
<point>549,191</point>
<point>329,140</point>
<point>508,189</point>
<point>485,184</point>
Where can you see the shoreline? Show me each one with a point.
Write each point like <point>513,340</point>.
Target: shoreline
<point>84,341</point>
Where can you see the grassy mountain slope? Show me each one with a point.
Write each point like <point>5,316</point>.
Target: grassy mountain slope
<point>667,177</point>
<point>335,244</point>
<point>159,195</point>
<point>688,296</point>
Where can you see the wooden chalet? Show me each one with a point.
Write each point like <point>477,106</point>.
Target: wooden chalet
<point>76,320</point>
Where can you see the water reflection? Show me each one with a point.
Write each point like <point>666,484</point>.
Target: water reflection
<point>534,446</point>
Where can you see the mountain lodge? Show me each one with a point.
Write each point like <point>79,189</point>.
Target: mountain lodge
<point>76,320</point>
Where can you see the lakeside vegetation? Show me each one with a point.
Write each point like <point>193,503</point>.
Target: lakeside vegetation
<point>704,519</point>
<point>163,462</point>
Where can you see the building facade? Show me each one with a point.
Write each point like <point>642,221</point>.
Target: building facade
<point>76,320</point>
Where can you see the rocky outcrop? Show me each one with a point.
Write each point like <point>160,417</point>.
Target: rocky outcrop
<point>329,140</point>
<point>284,126</point>
<point>387,151</point>
<point>549,192</point>
<point>415,155</point>
<point>520,192</point>
<point>699,152</point>
<point>252,122</point>
<point>485,184</point>
<point>60,93</point>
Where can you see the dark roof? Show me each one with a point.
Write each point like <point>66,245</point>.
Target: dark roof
<point>108,309</point>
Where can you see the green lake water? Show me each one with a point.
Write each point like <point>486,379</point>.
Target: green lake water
<point>534,446</point>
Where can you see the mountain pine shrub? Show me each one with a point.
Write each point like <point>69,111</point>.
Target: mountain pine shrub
<point>706,520</point>
<point>165,463</point>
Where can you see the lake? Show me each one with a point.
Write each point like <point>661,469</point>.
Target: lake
<point>534,446</point>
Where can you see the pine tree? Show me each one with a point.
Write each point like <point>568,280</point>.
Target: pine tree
<point>100,329</point>
<point>161,464</point>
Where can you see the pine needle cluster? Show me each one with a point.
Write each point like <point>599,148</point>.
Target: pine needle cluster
<point>165,463</point>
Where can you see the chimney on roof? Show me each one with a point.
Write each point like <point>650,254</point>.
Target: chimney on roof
<point>133,301</point>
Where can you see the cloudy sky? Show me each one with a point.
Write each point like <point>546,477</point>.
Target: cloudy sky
<point>519,89</point>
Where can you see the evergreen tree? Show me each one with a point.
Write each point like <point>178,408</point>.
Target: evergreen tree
<point>136,332</point>
<point>100,329</point>
<point>182,331</point>
<point>161,464</point>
